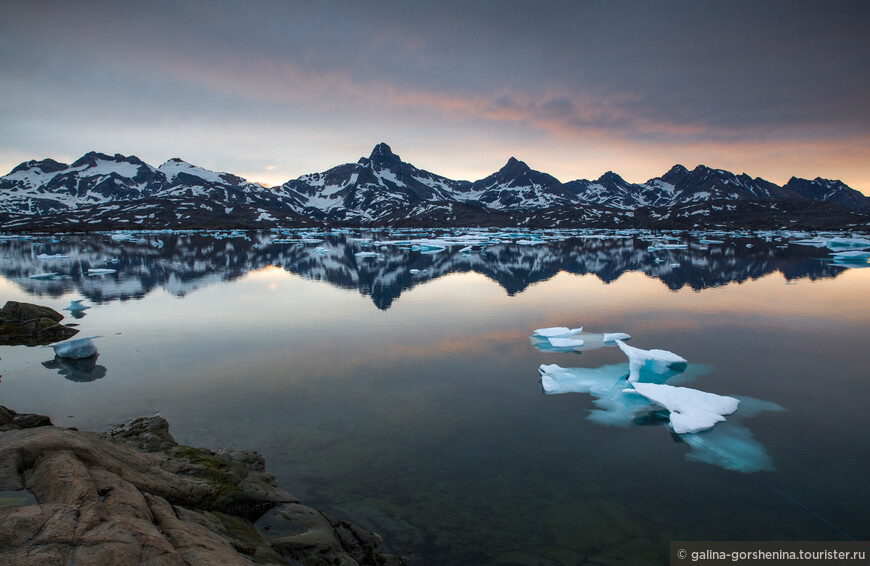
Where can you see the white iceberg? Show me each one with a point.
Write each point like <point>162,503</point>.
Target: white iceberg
<point>614,336</point>
<point>691,410</point>
<point>558,332</point>
<point>77,349</point>
<point>101,271</point>
<point>46,257</point>
<point>49,275</point>
<point>363,255</point>
<point>565,342</point>
<point>657,361</point>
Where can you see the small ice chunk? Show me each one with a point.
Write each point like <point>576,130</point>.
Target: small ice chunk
<point>614,336</point>
<point>76,306</point>
<point>558,332</point>
<point>691,410</point>
<point>366,254</point>
<point>101,271</point>
<point>50,275</point>
<point>46,257</point>
<point>565,342</point>
<point>77,349</point>
<point>658,361</point>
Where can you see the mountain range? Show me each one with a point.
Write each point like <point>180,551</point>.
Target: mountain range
<point>100,191</point>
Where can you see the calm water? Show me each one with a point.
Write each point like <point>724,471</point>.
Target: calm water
<point>412,404</point>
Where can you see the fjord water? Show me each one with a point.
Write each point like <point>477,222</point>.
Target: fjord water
<point>411,403</point>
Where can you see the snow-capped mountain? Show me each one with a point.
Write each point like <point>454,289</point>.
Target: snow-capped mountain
<point>99,191</point>
<point>518,188</point>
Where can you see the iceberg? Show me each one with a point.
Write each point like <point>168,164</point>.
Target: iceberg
<point>363,255</point>
<point>657,361</point>
<point>558,332</point>
<point>614,336</point>
<point>77,349</point>
<point>50,275</point>
<point>691,410</point>
<point>101,271</point>
<point>46,257</point>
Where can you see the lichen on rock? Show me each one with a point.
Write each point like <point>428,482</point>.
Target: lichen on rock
<point>135,496</point>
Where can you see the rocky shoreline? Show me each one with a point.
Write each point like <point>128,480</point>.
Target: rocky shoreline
<point>135,496</point>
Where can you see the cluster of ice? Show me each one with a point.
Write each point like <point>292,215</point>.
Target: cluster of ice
<point>77,349</point>
<point>635,392</point>
<point>562,338</point>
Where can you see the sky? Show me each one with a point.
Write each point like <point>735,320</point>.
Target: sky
<point>271,90</point>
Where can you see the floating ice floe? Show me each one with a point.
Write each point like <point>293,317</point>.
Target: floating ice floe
<point>558,332</point>
<point>691,410</point>
<point>46,257</point>
<point>101,271</point>
<point>416,271</point>
<point>363,255</point>
<point>50,275</point>
<point>76,306</point>
<point>657,361</point>
<point>842,242</point>
<point>77,349</point>
<point>614,336</point>
<point>565,342</point>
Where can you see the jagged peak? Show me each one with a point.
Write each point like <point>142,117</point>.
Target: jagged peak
<point>515,166</point>
<point>383,150</point>
<point>611,177</point>
<point>382,156</point>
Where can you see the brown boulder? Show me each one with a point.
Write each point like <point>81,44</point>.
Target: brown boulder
<point>135,496</point>
<point>25,324</point>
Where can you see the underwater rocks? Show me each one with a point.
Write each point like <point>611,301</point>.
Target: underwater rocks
<point>31,325</point>
<point>135,496</point>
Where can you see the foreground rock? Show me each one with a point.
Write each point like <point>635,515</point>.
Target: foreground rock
<point>134,496</point>
<point>31,325</point>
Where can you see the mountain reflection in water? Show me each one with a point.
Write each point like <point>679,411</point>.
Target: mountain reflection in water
<point>180,263</point>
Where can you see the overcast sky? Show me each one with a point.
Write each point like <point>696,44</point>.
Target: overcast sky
<point>271,90</point>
